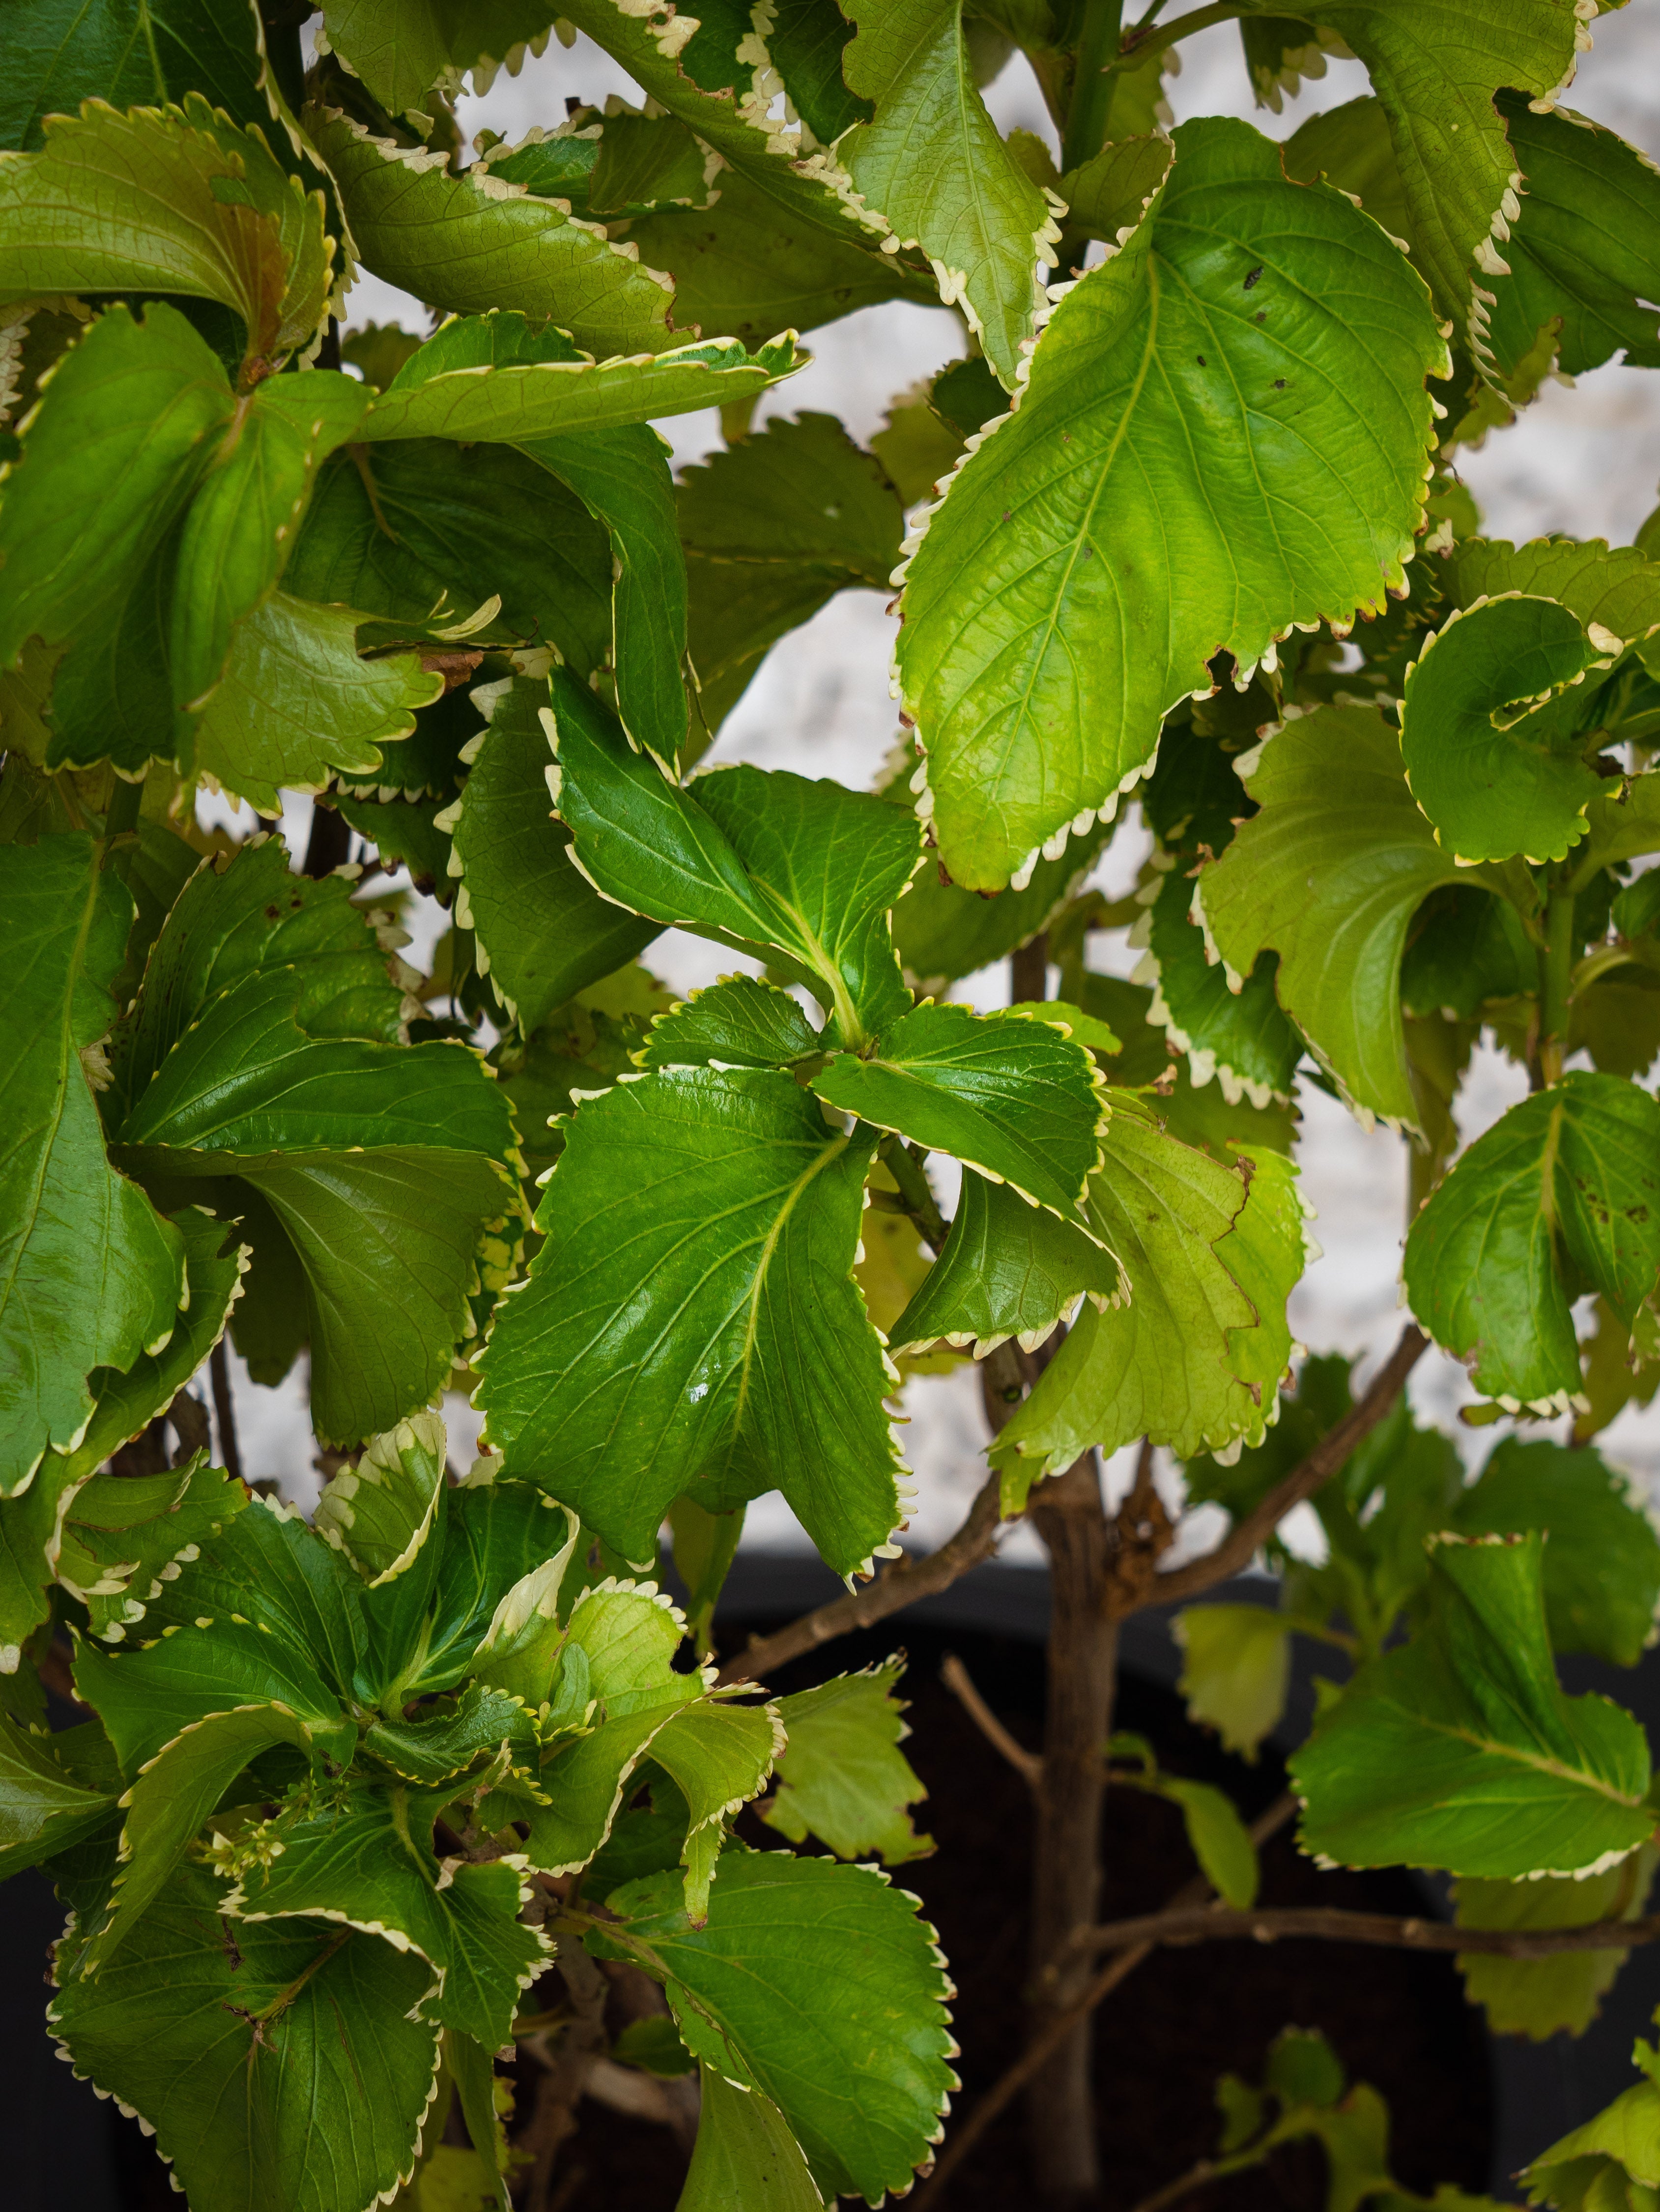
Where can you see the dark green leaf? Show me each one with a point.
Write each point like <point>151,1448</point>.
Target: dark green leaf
<point>773,528</point>
<point>43,1807</point>
<point>1010,1095</point>
<point>544,932</point>
<point>1561,1195</point>
<point>1239,1036</point>
<point>381,1512</point>
<point>732,1193</point>
<point>1461,1752</point>
<point>1008,1269</point>
<point>761,862</point>
<point>363,1864</point>
<point>1586,248</point>
<point>402,51</point>
<point>817,1985</point>
<point>132,53</point>
<point>738,1023</point>
<point>1602,1558</point>
<point>280,2073</point>
<point>90,1274</point>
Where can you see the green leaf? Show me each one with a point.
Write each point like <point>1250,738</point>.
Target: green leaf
<point>842,1775</point>
<point>748,266</point>
<point>933,166</point>
<point>439,1745</point>
<point>817,1985</point>
<point>426,535</point>
<point>401,52</point>
<point>117,1538</point>
<point>736,1023</point>
<point>472,242</point>
<point>1620,2146</point>
<point>1602,1559</point>
<point>945,933</point>
<point>282,2071</point>
<point>1107,196</point>
<point>296,705</point>
<point>1586,248</point>
<point>381,1512</point>
<point>1010,1095</point>
<point>438,393</point>
<point>726,1201</point>
<point>1008,1269</point>
<point>765,863</point>
<point>1329,875</point>
<point>381,1169</point>
<point>1560,1196</point>
<point>772,529</point>
<point>148,1697</point>
<point>543,933</point>
<point>1218,1839</point>
<point>745,2160</point>
<point>1461,1752</point>
<point>1539,1997</point>
<point>1493,729</point>
<point>1239,1036</point>
<point>132,53</point>
<point>428,1630</point>
<point>1196,1358</point>
<point>362,1865</point>
<point>124,1404</point>
<point>627,1635</point>
<point>242,518</point>
<point>1206,371</point>
<point>622,476</point>
<point>1436,66</point>
<point>1618,587</point>
<point>90,1274</point>
<point>1236,1668</point>
<point>43,1807</point>
<point>267,1567</point>
<point>1352,147</point>
<point>806,43</point>
<point>167,201</point>
<point>718,1756</point>
<point>174,1793</point>
<point>121,439</point>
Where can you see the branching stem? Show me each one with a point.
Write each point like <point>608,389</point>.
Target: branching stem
<point>1204,1923</point>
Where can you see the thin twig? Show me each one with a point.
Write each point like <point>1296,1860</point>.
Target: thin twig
<point>904,1582</point>
<point>1038,2052</point>
<point>1203,2170</point>
<point>224,1406</point>
<point>1237,1547</point>
<point>1201,1924</point>
<point>957,1678</point>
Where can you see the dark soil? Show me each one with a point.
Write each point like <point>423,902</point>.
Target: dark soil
<point>1172,2029</point>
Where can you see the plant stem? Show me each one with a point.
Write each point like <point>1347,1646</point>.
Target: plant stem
<point>1555,978</point>
<point>960,1683</point>
<point>1036,2057</point>
<point>1203,1924</point>
<point>1090,108</point>
<point>903,1584</point>
<point>224,1406</point>
<point>1167,34</point>
<point>908,1170</point>
<point>1066,1871</point>
<point>1237,1548</point>
<point>120,820</point>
